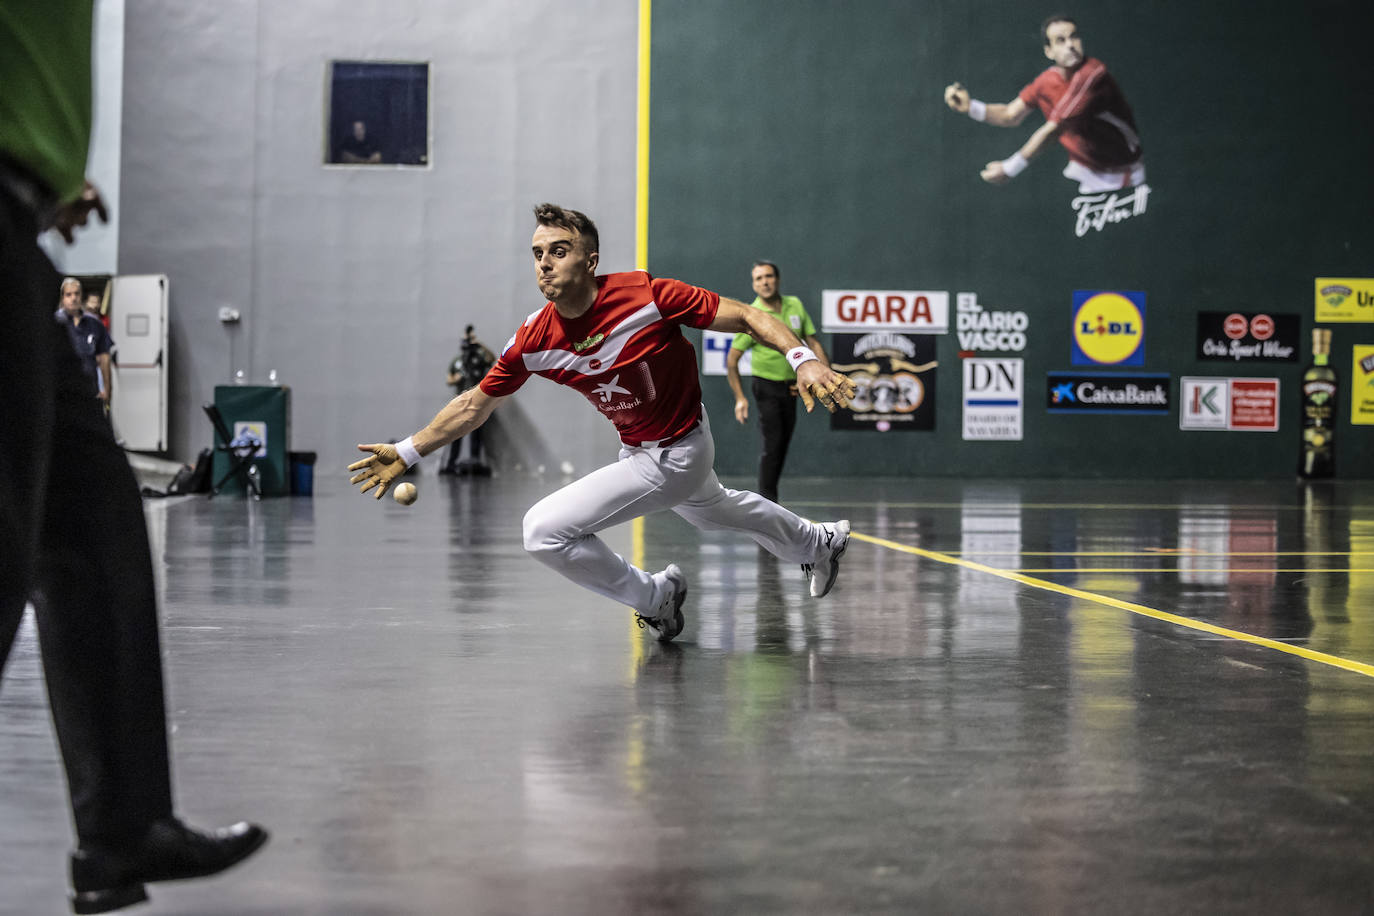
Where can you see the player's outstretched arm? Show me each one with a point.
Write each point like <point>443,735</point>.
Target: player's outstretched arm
<point>385,464</point>
<point>1003,170</point>
<point>1009,115</point>
<point>815,381</point>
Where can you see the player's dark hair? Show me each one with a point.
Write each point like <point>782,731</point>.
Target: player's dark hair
<point>777,274</point>
<point>1051,20</point>
<point>572,220</point>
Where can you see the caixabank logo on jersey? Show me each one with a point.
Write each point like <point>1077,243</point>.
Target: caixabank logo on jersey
<point>1108,328</point>
<point>1102,392</point>
<point>894,378</point>
<point>1248,336</point>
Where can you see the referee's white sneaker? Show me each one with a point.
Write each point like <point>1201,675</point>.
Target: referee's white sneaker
<point>666,617</point>
<point>821,574</point>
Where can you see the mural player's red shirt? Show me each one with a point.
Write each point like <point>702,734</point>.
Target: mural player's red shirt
<point>626,355</point>
<point>1096,124</point>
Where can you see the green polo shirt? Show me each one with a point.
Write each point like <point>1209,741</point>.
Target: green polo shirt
<point>769,363</point>
<point>45,90</point>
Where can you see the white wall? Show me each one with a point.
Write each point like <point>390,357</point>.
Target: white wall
<point>355,284</point>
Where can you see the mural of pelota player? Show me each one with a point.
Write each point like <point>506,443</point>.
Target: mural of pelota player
<point>1084,109</point>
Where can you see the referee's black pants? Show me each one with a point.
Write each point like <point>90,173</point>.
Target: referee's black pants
<point>77,546</point>
<point>777,410</point>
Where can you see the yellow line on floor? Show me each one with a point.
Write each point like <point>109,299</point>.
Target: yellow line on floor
<point>1163,553</point>
<point>1221,510</point>
<point>1195,569</point>
<point>1321,657</point>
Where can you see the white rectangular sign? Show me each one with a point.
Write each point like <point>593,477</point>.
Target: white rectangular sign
<point>994,398</point>
<point>715,347</point>
<point>1248,404</point>
<point>1204,403</point>
<point>853,311</point>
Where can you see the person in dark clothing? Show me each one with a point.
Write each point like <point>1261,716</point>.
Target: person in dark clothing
<point>358,148</point>
<point>466,371</point>
<point>89,339</point>
<point>77,542</point>
<point>775,383</point>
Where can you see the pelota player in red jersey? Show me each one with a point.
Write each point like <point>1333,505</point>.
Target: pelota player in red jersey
<point>1084,109</point>
<point>616,338</point>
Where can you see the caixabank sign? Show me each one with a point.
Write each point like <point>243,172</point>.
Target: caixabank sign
<point>1108,392</point>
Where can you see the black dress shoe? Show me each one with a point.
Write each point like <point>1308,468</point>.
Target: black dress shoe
<point>106,878</point>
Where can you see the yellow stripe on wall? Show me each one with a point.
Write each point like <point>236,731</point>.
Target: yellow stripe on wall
<point>642,143</point>
<point>638,650</point>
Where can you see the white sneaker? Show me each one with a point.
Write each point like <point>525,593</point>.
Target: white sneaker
<point>666,617</point>
<point>821,574</point>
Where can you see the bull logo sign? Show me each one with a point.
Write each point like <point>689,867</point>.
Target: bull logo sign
<point>894,380</point>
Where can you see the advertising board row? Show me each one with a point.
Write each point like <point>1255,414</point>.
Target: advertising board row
<point>885,341</point>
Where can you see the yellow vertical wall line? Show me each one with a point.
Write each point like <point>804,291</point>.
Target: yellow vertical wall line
<point>642,196</point>
<point>641,248</point>
<point>642,143</point>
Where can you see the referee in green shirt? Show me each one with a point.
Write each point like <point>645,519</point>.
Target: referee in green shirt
<point>775,384</point>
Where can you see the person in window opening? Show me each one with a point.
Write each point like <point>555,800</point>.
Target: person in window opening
<point>358,148</point>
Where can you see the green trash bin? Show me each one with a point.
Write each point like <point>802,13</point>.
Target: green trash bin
<point>266,411</point>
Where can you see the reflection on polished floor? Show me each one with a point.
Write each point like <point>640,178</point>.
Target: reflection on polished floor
<point>1022,697</point>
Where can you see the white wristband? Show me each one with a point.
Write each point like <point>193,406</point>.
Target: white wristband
<point>798,355</point>
<point>977,110</point>
<point>406,449</point>
<point>1015,165</point>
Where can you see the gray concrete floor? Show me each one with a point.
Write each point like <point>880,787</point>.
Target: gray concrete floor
<point>994,712</point>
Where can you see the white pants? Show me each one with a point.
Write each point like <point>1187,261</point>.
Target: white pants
<point>1093,182</point>
<point>560,529</point>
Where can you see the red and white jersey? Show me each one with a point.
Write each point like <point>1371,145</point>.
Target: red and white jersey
<point>1096,124</point>
<point>626,355</point>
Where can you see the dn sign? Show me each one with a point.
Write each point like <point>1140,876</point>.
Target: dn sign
<point>1108,328</point>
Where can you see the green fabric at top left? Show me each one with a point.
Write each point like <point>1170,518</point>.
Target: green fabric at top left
<point>45,90</point>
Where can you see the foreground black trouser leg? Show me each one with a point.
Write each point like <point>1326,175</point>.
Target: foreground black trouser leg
<point>27,403</point>
<point>84,559</point>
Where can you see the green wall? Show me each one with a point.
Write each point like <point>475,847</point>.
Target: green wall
<point>814,134</point>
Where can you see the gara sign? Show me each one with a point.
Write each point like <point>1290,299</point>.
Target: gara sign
<point>862,310</point>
